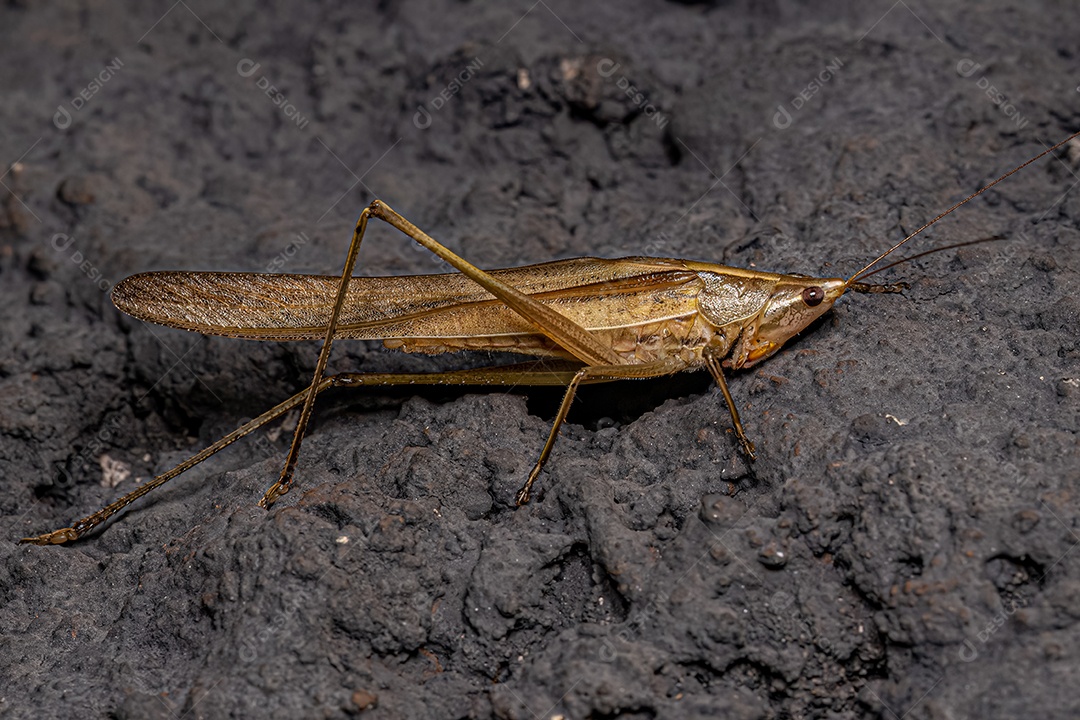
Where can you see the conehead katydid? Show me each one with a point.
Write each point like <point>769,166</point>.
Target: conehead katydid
<point>585,320</point>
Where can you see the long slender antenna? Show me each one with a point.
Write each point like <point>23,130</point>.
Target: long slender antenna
<point>931,251</point>
<point>970,197</point>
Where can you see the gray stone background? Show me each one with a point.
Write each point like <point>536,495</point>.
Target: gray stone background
<point>906,546</point>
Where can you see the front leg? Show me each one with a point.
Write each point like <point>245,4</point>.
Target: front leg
<point>717,372</point>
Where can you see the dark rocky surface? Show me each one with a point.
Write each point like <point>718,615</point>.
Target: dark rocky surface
<point>906,547</point>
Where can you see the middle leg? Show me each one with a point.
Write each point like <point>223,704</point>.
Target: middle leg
<point>593,373</point>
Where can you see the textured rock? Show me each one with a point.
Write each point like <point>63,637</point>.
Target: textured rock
<point>905,545</point>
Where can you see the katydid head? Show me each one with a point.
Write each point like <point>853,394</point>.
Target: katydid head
<point>795,302</point>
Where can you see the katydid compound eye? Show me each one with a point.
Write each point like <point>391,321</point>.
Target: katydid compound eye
<point>813,296</point>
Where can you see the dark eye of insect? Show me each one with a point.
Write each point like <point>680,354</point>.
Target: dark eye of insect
<point>813,296</point>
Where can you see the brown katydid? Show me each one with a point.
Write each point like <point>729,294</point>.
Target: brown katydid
<point>590,320</point>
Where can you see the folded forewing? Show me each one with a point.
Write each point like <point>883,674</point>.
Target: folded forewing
<point>595,293</point>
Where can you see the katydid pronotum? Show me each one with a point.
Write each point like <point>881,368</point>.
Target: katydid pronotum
<point>589,320</point>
